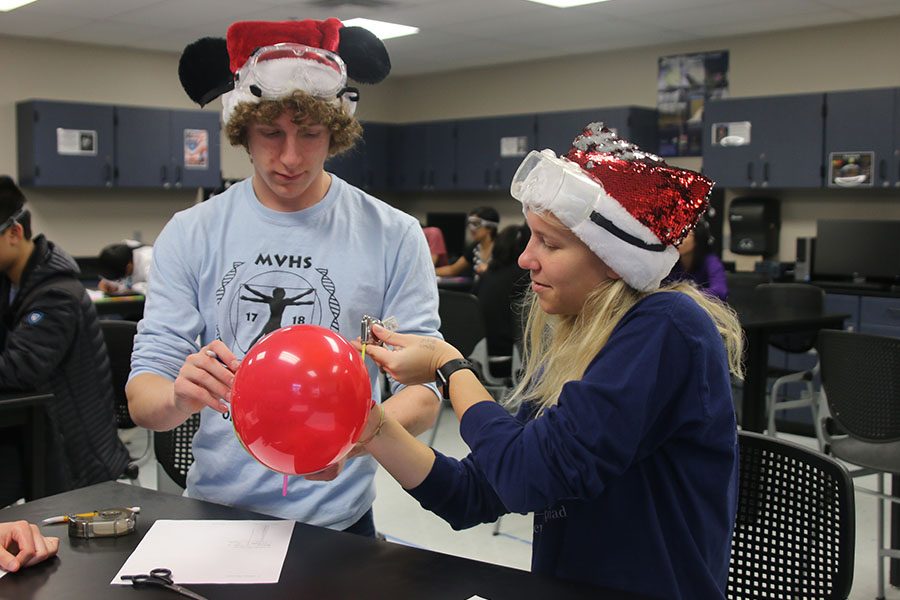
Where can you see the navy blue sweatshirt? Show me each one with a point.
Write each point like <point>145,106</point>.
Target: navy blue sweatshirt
<point>632,476</point>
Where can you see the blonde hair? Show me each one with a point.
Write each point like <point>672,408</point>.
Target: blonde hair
<point>558,349</point>
<point>345,130</point>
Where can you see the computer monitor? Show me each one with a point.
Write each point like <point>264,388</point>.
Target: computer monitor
<point>868,250</point>
<point>453,226</point>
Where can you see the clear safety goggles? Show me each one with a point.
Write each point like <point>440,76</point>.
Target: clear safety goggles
<point>474,222</point>
<point>12,220</point>
<point>545,183</point>
<point>278,70</point>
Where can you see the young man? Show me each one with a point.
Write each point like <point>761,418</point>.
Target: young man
<point>125,267</point>
<point>293,244</point>
<point>50,341</point>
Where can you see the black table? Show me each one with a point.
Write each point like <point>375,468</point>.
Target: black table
<point>458,284</point>
<point>127,307</point>
<point>320,563</point>
<point>26,410</point>
<point>759,322</point>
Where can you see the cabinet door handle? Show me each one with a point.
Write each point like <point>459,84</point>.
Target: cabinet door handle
<point>107,174</point>
<point>750,171</point>
<point>164,176</point>
<point>497,178</point>
<point>766,172</point>
<point>882,169</point>
<point>178,176</point>
<point>487,178</point>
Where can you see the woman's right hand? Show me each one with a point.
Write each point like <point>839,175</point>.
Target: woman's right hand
<point>205,379</point>
<point>414,359</point>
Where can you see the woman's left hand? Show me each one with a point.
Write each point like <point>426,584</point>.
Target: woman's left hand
<point>414,359</point>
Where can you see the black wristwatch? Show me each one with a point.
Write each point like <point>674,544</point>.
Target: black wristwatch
<point>442,375</point>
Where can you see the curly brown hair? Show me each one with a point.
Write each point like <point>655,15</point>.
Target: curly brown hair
<point>345,130</point>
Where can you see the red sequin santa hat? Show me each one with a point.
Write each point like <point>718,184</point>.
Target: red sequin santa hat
<point>269,60</point>
<point>627,205</point>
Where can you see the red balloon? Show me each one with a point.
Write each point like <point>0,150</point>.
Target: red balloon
<point>300,399</point>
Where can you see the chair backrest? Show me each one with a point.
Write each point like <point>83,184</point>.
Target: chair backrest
<point>861,379</point>
<point>173,449</point>
<point>795,530</point>
<point>741,286</point>
<point>462,323</point>
<point>119,339</point>
<point>801,296</point>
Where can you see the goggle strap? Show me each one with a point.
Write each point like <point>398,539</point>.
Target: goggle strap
<point>352,93</point>
<point>215,93</point>
<point>13,219</point>
<point>611,227</point>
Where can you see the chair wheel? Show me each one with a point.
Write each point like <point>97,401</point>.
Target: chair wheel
<point>131,471</point>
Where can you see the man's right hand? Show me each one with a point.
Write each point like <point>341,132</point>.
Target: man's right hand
<point>205,379</point>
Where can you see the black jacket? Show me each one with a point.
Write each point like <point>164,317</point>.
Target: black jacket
<point>50,341</point>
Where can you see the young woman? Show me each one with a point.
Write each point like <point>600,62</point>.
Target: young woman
<point>482,224</point>
<point>697,263</point>
<point>624,445</point>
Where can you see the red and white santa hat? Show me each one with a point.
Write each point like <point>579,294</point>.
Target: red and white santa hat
<point>270,60</point>
<point>627,205</point>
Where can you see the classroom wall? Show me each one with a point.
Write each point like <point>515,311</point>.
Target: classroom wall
<point>840,57</point>
<point>796,61</point>
<point>84,220</point>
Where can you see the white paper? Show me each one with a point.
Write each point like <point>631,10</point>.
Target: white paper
<point>212,551</point>
<point>3,572</point>
<point>513,146</point>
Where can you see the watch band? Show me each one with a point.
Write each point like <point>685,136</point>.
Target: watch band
<point>442,375</point>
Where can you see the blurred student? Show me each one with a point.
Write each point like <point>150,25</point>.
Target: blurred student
<point>501,290</point>
<point>625,443</point>
<point>125,267</point>
<point>481,225</point>
<point>436,246</point>
<point>50,341</point>
<point>698,264</point>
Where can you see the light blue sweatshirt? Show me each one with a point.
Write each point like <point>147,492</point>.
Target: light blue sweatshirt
<point>216,268</point>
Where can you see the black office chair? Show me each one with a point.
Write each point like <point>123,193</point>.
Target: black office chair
<point>118,336</point>
<point>810,299</point>
<point>462,325</point>
<point>741,286</point>
<point>861,384</point>
<point>173,449</point>
<point>795,529</point>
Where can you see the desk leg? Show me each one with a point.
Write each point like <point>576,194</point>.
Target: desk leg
<point>895,531</point>
<point>753,412</point>
<point>38,453</point>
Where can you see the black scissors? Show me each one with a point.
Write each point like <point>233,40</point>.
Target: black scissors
<point>161,578</point>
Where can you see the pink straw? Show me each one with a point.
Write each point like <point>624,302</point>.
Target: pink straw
<point>284,487</point>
